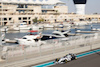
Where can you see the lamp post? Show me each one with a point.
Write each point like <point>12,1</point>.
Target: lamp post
<point>0,38</point>
<point>1,24</point>
<point>91,27</point>
<point>75,30</point>
<point>2,15</point>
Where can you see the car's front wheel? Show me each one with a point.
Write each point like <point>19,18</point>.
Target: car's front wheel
<point>57,59</point>
<point>65,61</point>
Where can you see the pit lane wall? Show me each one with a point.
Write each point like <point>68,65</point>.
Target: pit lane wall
<point>56,49</point>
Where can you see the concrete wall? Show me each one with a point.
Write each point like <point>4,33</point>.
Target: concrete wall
<point>61,9</point>
<point>37,9</point>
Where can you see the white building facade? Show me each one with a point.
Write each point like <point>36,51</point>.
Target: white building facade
<point>15,11</point>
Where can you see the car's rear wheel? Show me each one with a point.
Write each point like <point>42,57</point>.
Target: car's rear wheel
<point>75,58</point>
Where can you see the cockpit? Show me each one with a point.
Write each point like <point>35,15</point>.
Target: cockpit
<point>24,38</point>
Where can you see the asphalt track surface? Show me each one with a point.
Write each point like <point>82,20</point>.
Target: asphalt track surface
<point>92,60</point>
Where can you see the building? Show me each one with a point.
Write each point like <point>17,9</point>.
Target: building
<point>80,6</point>
<point>15,11</point>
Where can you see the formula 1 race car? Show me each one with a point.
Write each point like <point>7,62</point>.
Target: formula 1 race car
<point>65,59</point>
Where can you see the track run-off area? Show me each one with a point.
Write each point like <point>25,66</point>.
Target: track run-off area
<point>78,56</point>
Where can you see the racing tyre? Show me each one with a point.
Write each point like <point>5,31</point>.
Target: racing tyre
<point>75,58</point>
<point>57,60</point>
<point>65,61</point>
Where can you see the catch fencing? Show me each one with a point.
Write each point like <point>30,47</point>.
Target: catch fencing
<point>15,53</point>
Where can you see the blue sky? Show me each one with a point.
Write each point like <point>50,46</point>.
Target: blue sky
<point>92,6</point>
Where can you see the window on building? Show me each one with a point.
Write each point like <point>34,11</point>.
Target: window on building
<point>5,10</point>
<point>20,6</point>
<point>29,17</point>
<point>25,6</point>
<point>65,19</point>
<point>5,18</point>
<point>19,18</point>
<point>24,18</point>
<point>5,23</point>
<point>81,19</point>
<point>9,18</point>
<point>45,11</point>
<point>29,22</point>
<point>24,21</point>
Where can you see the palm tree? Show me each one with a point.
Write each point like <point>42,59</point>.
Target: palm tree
<point>35,20</point>
<point>41,20</point>
<point>56,14</point>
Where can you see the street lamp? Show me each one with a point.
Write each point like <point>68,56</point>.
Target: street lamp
<point>0,38</point>
<point>75,30</point>
<point>2,14</point>
<point>91,27</point>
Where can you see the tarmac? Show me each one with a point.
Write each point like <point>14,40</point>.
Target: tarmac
<point>87,61</point>
<point>78,56</point>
